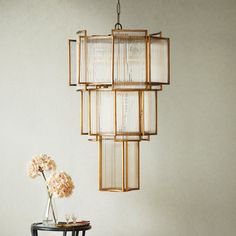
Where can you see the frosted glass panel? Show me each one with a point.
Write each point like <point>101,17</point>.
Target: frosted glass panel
<point>82,63</point>
<point>102,112</point>
<point>73,61</point>
<point>150,111</point>
<point>159,60</point>
<point>119,165</point>
<point>127,112</point>
<point>84,111</point>
<point>129,86</point>
<point>93,112</point>
<point>111,165</point>
<point>133,165</point>
<point>97,54</point>
<point>129,57</point>
<point>106,112</point>
<point>133,33</point>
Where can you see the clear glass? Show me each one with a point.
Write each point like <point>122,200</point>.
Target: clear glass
<point>93,112</point>
<point>84,111</point>
<point>119,165</point>
<point>127,113</point>
<point>159,55</point>
<point>111,165</point>
<point>74,218</point>
<point>82,58</point>
<point>102,112</point>
<point>96,59</point>
<point>67,218</point>
<point>129,58</point>
<point>106,112</point>
<point>73,61</point>
<point>50,215</point>
<point>132,165</point>
<point>150,112</point>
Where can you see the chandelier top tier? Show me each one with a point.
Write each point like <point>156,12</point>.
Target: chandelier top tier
<point>125,59</point>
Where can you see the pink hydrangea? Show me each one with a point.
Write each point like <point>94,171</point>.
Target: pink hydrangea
<point>39,164</point>
<point>60,184</point>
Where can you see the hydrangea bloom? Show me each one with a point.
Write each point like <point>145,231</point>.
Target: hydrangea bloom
<point>60,184</point>
<point>39,164</point>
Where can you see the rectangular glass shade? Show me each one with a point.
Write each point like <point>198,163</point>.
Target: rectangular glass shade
<point>127,113</point>
<point>118,165</point>
<point>101,112</point>
<point>84,106</point>
<point>129,58</point>
<point>159,60</point>
<point>111,165</point>
<point>92,113</point>
<point>72,60</point>
<point>132,165</point>
<point>96,59</point>
<point>150,112</point>
<point>115,113</point>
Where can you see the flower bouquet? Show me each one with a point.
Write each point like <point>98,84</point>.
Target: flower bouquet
<point>58,184</point>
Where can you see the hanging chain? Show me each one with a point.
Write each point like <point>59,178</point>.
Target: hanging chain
<point>118,25</point>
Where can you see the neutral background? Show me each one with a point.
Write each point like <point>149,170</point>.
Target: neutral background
<point>188,181</point>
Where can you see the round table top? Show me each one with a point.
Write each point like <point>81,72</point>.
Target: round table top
<point>41,226</point>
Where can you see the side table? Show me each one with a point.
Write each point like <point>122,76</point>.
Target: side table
<point>35,227</point>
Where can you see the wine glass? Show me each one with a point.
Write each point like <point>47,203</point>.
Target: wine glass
<point>73,217</point>
<point>67,217</point>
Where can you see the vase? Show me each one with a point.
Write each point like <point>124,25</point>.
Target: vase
<point>50,217</point>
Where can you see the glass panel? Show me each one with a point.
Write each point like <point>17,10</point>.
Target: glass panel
<point>99,60</point>
<point>93,112</point>
<point>129,57</point>
<point>150,112</point>
<point>82,64</point>
<point>102,112</point>
<point>127,112</point>
<point>72,62</point>
<point>138,33</point>
<point>111,165</point>
<point>132,165</point>
<point>159,60</point>
<point>97,53</point>
<point>130,86</point>
<point>106,112</point>
<point>84,112</point>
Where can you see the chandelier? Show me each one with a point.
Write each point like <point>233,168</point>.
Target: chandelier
<point>119,77</point>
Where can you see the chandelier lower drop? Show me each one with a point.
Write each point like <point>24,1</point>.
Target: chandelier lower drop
<point>119,77</point>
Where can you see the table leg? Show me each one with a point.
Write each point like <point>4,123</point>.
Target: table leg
<point>64,233</point>
<point>34,232</point>
<point>73,233</point>
<point>77,233</point>
<point>83,234</point>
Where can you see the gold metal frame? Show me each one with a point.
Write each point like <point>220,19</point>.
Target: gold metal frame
<point>117,87</point>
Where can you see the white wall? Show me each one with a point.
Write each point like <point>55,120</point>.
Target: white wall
<point>188,170</point>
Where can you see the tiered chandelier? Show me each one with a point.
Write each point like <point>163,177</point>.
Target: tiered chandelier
<point>119,77</point>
